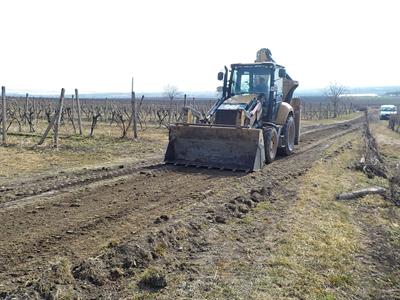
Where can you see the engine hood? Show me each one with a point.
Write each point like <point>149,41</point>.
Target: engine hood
<point>237,102</point>
<point>240,99</point>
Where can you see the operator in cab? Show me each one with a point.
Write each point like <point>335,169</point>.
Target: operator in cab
<point>261,86</point>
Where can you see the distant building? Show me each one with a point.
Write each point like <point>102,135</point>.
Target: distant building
<point>360,95</point>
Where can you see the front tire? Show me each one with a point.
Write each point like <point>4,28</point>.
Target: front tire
<point>289,136</point>
<point>271,141</point>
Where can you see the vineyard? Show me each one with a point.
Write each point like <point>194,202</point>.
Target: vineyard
<point>117,118</point>
<point>82,116</point>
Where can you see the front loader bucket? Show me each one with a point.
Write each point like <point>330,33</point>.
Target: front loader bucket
<point>216,147</point>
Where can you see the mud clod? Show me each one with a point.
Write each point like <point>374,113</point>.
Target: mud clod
<point>153,279</point>
<point>245,201</point>
<point>146,173</point>
<point>243,209</point>
<point>128,257</point>
<point>220,219</point>
<point>232,207</point>
<point>116,273</point>
<point>256,197</point>
<point>160,219</point>
<point>91,270</point>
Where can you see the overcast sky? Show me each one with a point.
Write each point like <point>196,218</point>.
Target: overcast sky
<point>97,46</point>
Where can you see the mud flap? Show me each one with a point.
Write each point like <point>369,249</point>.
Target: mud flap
<point>216,147</point>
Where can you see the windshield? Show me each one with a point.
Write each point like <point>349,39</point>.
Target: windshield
<point>250,79</point>
<point>388,108</point>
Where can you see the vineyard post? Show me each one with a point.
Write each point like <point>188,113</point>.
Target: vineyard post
<point>3,100</point>
<point>73,113</point>
<point>106,110</point>
<point>139,112</point>
<point>34,110</point>
<point>134,116</point>
<point>78,105</point>
<point>26,108</point>
<point>59,112</point>
<point>53,119</point>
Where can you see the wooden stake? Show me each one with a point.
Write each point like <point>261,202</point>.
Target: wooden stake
<point>3,100</point>
<point>73,113</point>
<point>134,115</point>
<point>26,108</point>
<point>53,119</point>
<point>59,113</point>
<point>78,105</point>
<point>106,110</point>
<point>34,111</point>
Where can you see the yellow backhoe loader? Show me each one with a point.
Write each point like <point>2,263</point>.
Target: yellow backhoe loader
<point>255,119</point>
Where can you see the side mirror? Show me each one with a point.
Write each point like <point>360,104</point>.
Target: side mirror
<point>220,89</point>
<point>282,73</point>
<point>220,76</point>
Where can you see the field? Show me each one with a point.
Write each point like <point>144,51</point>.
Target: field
<point>102,217</point>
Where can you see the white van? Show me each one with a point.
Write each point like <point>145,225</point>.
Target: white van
<point>386,111</point>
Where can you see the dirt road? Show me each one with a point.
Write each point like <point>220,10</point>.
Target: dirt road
<point>169,213</point>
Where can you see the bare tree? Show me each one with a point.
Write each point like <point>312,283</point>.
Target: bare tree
<point>171,91</point>
<point>334,93</point>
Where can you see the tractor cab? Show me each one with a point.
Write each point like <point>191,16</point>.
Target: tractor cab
<point>252,86</point>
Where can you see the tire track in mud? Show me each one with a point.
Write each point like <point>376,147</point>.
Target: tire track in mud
<point>100,217</point>
<point>13,193</point>
<point>59,225</point>
<point>19,190</point>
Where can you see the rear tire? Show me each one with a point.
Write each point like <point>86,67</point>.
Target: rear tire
<point>271,144</point>
<point>289,136</point>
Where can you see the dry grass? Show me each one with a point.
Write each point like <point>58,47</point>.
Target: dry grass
<point>317,258</point>
<point>22,156</point>
<point>340,118</point>
<point>329,251</point>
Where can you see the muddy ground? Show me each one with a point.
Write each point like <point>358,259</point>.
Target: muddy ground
<point>154,231</point>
